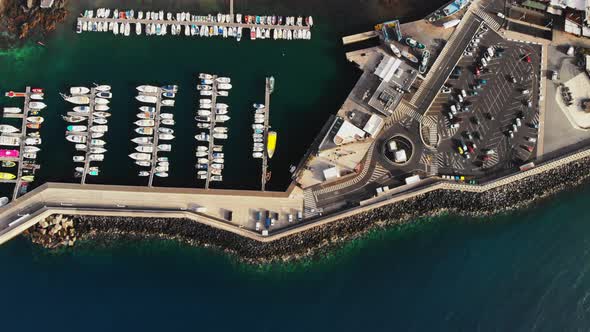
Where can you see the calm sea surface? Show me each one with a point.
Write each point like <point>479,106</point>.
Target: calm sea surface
<point>520,272</point>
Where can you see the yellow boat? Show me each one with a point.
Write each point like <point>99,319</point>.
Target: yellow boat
<point>28,178</point>
<point>7,176</point>
<point>271,143</point>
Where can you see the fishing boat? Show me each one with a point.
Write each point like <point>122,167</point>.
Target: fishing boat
<point>168,102</point>
<point>143,163</point>
<point>271,143</point>
<point>78,100</point>
<point>76,128</point>
<point>147,88</point>
<point>8,129</point>
<point>147,99</point>
<point>101,101</point>
<point>409,56</point>
<point>35,119</point>
<point>73,118</point>
<point>82,109</point>
<point>97,142</point>
<point>140,156</point>
<point>142,140</point>
<point>145,130</point>
<point>76,138</point>
<point>12,110</point>
<point>165,137</point>
<point>102,114</point>
<point>395,50</point>
<point>37,105</point>
<point>79,90</point>
<point>7,176</point>
<point>4,153</point>
<point>145,123</point>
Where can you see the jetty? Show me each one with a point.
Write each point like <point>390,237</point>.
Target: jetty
<point>156,137</point>
<point>211,130</point>
<point>23,137</point>
<point>88,137</point>
<point>267,92</point>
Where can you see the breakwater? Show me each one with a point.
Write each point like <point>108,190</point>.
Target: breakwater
<point>317,240</point>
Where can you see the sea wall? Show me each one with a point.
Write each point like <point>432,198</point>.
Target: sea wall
<point>316,240</point>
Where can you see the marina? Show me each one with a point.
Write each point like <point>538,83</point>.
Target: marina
<point>27,142</point>
<point>262,135</point>
<point>190,25</point>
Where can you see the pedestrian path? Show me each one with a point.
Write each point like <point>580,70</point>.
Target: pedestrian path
<point>309,204</point>
<point>490,21</point>
<point>378,173</point>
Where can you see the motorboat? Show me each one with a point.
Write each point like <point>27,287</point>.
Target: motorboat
<point>204,87</point>
<point>142,140</point>
<point>8,129</point>
<point>202,148</point>
<point>203,125</point>
<point>165,147</point>
<point>8,164</point>
<point>143,163</point>
<point>271,143</point>
<point>147,88</point>
<point>4,153</point>
<point>206,93</point>
<point>36,96</point>
<point>162,174</point>
<point>222,118</point>
<point>205,101</point>
<point>12,110</point>
<point>96,157</point>
<point>165,130</point>
<point>221,105</point>
<point>222,93</point>
<point>37,105</point>
<point>147,99</point>
<point>203,119</point>
<point>220,129</point>
<point>257,154</point>
<point>165,137</point>
<point>168,102</point>
<point>202,137</point>
<point>202,161</point>
<point>166,115</point>
<point>224,86</point>
<point>79,90</point>
<point>35,119</point>
<point>203,112</point>
<point>140,156</point>
<point>82,109</point>
<point>96,135</point>
<point>168,122</point>
<point>138,29</point>
<point>102,88</point>
<point>33,125</point>
<point>223,80</point>
<point>33,141</point>
<point>7,176</point>
<point>162,159</point>
<point>258,106</point>
<point>168,94</point>
<point>99,129</point>
<point>97,142</point>
<point>101,101</point>
<point>201,154</point>
<point>143,173</point>
<point>145,123</point>
<point>78,100</point>
<point>395,50</point>
<point>218,166</point>
<point>207,106</point>
<point>144,148</point>
<point>147,109</point>
<point>97,150</point>
<point>145,130</point>
<point>145,115</point>
<point>205,76</point>
<point>221,111</point>
<point>76,138</point>
<point>80,147</point>
<point>218,160</point>
<point>104,94</point>
<point>79,159</point>
<point>257,126</point>
<point>170,88</point>
<point>220,136</point>
<point>76,128</point>
<point>102,114</point>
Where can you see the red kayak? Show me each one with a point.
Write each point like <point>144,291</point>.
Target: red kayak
<point>37,90</point>
<point>12,94</point>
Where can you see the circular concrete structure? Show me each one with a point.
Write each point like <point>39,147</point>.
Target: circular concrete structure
<point>403,143</point>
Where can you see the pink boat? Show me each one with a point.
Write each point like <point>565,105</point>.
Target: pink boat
<point>8,153</point>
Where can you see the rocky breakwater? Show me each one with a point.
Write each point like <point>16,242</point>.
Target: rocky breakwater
<point>21,20</point>
<point>317,240</point>
<point>54,232</point>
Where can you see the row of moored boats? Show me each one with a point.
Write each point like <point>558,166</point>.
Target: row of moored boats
<point>210,118</point>
<point>17,146</point>
<point>87,126</point>
<point>154,128</point>
<point>261,27</point>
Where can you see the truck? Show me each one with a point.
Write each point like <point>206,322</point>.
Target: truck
<point>267,220</point>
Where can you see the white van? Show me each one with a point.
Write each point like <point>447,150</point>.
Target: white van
<point>453,109</point>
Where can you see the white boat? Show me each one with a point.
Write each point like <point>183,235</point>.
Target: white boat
<point>144,173</point>
<point>206,93</point>
<point>221,106</point>
<point>162,174</point>
<point>147,99</point>
<point>104,94</point>
<point>142,140</point>
<point>8,129</point>
<point>165,147</point>
<point>79,90</point>
<point>205,101</point>
<point>165,137</point>
<point>103,88</point>
<point>224,86</point>
<point>202,137</point>
<point>145,115</point>
<point>221,111</point>
<point>222,93</point>
<point>138,29</point>
<point>77,128</point>
<point>78,100</point>
<point>97,150</point>
<point>101,107</point>
<point>100,121</point>
<point>102,114</point>
<point>145,123</point>
<point>144,130</point>
<point>218,166</point>
<point>222,118</point>
<point>144,148</point>
<point>37,105</point>
<point>166,116</point>
<point>220,129</point>
<point>140,156</point>
<point>165,130</point>
<point>82,109</point>
<point>202,148</point>
<point>127,29</point>
<point>101,101</point>
<point>223,80</point>
<point>257,154</point>
<point>36,96</point>
<point>204,112</point>
<point>218,160</point>
<point>207,106</point>
<point>31,149</point>
<point>168,122</point>
<point>78,159</point>
<point>96,157</point>
<point>220,136</point>
<point>205,76</point>
<point>147,88</point>
<point>97,142</point>
<point>76,138</point>
<point>201,154</point>
<point>12,110</point>
<point>258,106</point>
<point>99,129</point>
<point>80,147</point>
<point>35,119</point>
<point>168,102</point>
<point>202,161</point>
<point>96,135</point>
<point>143,163</point>
<point>33,141</point>
<point>147,109</point>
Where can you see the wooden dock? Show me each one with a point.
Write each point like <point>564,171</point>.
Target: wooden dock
<point>190,23</point>
<point>156,137</point>
<point>267,92</point>
<point>359,37</point>
<point>19,173</point>
<point>211,131</point>
<point>88,134</point>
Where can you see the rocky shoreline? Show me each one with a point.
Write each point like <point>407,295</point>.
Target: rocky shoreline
<point>22,20</point>
<point>318,240</point>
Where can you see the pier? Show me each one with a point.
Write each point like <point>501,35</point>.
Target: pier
<point>267,93</point>
<point>156,137</point>
<point>23,137</point>
<point>211,129</point>
<point>89,135</point>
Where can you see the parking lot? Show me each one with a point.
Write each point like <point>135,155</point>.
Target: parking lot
<point>488,109</point>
